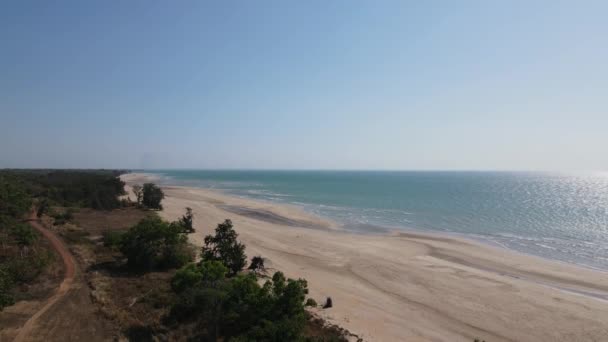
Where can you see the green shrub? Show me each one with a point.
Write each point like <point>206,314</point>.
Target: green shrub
<point>154,243</point>
<point>238,308</point>
<point>310,302</point>
<point>192,275</point>
<point>257,264</point>
<point>112,239</point>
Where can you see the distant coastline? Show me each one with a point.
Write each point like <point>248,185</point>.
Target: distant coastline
<point>551,215</point>
<point>406,285</point>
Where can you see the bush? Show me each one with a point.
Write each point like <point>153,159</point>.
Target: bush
<point>154,243</point>
<point>238,308</point>
<point>257,264</point>
<point>311,302</point>
<point>192,275</point>
<point>112,239</point>
<point>224,247</point>
<point>64,217</point>
<point>152,195</point>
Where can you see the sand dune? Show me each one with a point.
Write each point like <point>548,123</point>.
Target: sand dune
<point>410,286</point>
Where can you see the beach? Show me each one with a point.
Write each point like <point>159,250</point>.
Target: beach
<point>407,286</point>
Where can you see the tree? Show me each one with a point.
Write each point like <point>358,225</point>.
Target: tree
<point>97,189</point>
<point>154,243</point>
<point>25,236</point>
<point>14,200</point>
<point>152,195</point>
<point>224,247</point>
<point>205,273</point>
<point>43,207</point>
<point>185,222</point>
<point>6,283</point>
<point>137,191</point>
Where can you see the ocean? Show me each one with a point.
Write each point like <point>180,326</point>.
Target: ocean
<point>553,215</point>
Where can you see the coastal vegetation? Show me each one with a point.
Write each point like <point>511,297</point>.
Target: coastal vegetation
<point>230,304</point>
<point>151,196</point>
<point>155,244</point>
<point>257,264</point>
<point>19,262</point>
<point>224,247</point>
<point>24,255</point>
<point>148,196</point>
<point>215,295</point>
<point>98,189</point>
<point>140,271</point>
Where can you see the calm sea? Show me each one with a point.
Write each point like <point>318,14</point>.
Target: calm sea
<point>558,216</point>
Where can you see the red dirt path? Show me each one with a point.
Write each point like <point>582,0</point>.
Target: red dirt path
<point>68,277</point>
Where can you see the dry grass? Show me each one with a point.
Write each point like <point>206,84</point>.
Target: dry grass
<point>97,221</point>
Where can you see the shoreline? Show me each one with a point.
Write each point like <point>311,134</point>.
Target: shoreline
<point>370,229</point>
<point>408,285</point>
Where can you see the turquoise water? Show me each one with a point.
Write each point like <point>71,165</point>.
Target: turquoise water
<point>558,216</point>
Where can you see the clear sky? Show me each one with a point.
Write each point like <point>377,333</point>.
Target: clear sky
<point>304,84</point>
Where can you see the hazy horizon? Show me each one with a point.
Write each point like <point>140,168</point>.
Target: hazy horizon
<point>344,85</point>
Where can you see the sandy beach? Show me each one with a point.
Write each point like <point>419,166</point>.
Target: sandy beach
<point>409,286</point>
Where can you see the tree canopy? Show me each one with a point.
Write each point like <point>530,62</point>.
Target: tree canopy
<point>98,189</point>
<point>14,199</point>
<point>224,247</point>
<point>154,243</point>
<point>15,202</point>
<point>238,308</point>
<point>152,195</point>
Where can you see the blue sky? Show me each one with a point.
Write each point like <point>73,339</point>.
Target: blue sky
<point>304,85</point>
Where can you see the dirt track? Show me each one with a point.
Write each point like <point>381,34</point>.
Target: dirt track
<point>69,314</point>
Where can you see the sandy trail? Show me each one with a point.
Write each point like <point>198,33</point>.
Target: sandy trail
<point>64,287</point>
<point>409,286</point>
